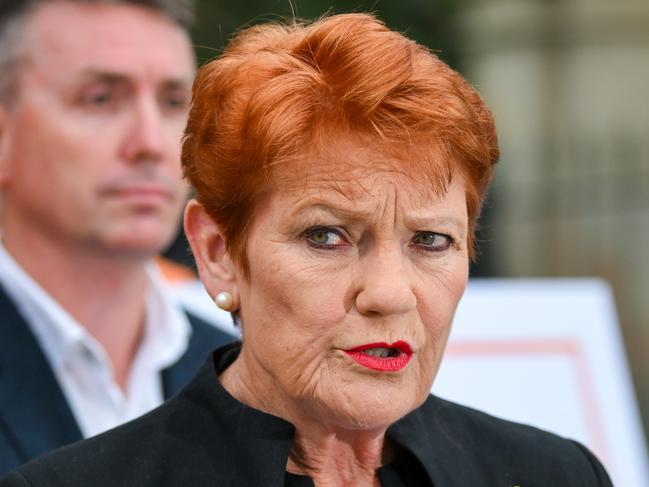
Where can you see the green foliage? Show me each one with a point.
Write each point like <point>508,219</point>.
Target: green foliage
<point>426,21</point>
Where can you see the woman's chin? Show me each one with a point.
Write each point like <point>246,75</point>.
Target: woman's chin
<point>368,407</point>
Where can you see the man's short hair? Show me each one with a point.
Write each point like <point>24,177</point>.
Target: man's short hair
<point>15,13</point>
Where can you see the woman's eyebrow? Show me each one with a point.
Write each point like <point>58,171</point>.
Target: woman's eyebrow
<point>338,211</point>
<point>430,223</point>
<point>353,214</point>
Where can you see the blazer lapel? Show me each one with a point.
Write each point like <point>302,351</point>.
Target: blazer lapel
<point>205,338</point>
<point>34,411</point>
<point>178,375</point>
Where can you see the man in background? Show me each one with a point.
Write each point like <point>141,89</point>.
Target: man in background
<point>93,98</point>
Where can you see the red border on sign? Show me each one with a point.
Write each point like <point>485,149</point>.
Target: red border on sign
<point>569,349</point>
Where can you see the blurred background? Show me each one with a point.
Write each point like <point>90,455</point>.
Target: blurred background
<point>568,82</point>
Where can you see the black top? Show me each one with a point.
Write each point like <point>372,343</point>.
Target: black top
<point>205,437</point>
<point>404,471</point>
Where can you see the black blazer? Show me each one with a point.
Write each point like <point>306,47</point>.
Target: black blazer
<point>204,437</point>
<point>34,414</point>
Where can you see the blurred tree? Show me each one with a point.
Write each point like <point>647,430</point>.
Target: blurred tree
<point>426,21</point>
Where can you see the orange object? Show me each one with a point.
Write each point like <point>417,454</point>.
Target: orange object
<point>173,271</point>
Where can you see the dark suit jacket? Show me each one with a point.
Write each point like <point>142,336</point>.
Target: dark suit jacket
<point>204,437</point>
<point>34,414</point>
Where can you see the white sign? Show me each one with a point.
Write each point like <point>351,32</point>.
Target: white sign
<point>548,352</point>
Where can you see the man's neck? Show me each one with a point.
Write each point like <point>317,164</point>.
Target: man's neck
<point>104,293</point>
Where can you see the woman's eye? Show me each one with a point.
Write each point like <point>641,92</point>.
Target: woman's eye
<point>324,237</point>
<point>432,241</point>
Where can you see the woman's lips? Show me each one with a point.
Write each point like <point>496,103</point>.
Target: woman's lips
<point>382,356</point>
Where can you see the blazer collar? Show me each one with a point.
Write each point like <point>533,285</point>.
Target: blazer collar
<point>262,441</point>
<point>203,339</point>
<point>43,421</point>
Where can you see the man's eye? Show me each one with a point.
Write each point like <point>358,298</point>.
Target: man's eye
<point>177,103</point>
<point>432,241</point>
<point>324,237</point>
<point>176,100</point>
<point>99,98</point>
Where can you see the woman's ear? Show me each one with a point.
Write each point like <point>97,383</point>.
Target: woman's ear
<point>215,267</point>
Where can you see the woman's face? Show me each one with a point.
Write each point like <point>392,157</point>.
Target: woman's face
<point>353,285</point>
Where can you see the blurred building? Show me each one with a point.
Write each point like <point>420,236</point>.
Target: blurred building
<point>568,81</point>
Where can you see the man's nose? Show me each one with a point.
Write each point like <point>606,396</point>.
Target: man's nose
<point>144,141</point>
<point>385,283</point>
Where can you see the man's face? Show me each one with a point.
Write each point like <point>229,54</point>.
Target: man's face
<point>89,153</point>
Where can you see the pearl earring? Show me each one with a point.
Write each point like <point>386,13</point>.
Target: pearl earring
<point>224,300</point>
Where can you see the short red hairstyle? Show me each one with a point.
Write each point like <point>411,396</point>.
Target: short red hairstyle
<point>280,92</point>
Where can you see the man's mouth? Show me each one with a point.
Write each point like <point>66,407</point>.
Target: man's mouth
<point>143,195</point>
<point>382,356</point>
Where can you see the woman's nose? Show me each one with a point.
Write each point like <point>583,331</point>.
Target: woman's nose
<point>385,284</point>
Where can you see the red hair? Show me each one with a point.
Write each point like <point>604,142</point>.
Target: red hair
<point>280,92</point>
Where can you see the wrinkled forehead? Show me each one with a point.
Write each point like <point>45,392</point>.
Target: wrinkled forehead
<point>353,167</point>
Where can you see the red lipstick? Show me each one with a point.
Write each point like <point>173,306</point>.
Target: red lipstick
<point>382,356</point>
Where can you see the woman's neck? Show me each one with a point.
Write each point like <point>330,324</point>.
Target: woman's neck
<point>332,457</point>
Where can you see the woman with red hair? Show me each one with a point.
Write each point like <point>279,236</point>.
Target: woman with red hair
<point>339,171</point>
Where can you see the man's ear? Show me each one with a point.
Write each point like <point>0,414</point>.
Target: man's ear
<point>215,267</point>
<point>4,147</point>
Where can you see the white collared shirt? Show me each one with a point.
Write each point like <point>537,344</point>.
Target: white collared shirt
<point>80,363</point>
